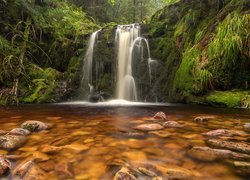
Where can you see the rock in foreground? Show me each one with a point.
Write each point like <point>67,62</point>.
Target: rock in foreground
<point>4,166</point>
<point>172,124</point>
<point>10,142</point>
<point>234,146</point>
<point>208,154</point>
<point>149,127</point>
<point>160,116</point>
<point>19,132</point>
<point>34,126</point>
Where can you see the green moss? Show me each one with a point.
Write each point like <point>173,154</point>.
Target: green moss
<point>230,99</point>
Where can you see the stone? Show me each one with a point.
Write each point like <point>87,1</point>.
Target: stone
<point>247,127</point>
<point>19,132</point>
<point>147,172</point>
<point>223,132</point>
<point>39,156</point>
<point>172,124</point>
<point>10,142</point>
<point>149,127</point>
<point>234,146</point>
<point>34,126</point>
<point>65,169</point>
<point>203,119</point>
<point>162,134</point>
<point>47,165</point>
<point>5,166</point>
<point>208,154</point>
<point>242,168</point>
<point>160,116</point>
<point>175,172</point>
<point>48,149</point>
<point>124,174</point>
<point>29,170</point>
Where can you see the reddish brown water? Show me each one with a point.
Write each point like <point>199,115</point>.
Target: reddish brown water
<point>97,137</point>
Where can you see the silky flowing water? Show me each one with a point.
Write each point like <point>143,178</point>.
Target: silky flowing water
<point>99,136</point>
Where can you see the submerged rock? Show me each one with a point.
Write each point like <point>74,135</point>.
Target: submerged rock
<point>242,168</point>
<point>29,170</point>
<point>65,169</point>
<point>223,132</point>
<point>124,174</point>
<point>34,126</point>
<point>203,119</point>
<point>50,149</point>
<point>160,116</point>
<point>10,142</point>
<point>175,172</point>
<point>172,124</point>
<point>5,166</point>
<point>19,132</point>
<point>149,127</point>
<point>234,146</point>
<point>209,154</point>
<point>247,127</point>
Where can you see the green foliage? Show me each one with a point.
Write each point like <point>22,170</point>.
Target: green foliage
<point>230,99</point>
<point>232,37</point>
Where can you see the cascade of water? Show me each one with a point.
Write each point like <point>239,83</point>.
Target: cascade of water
<point>128,40</point>
<point>87,78</point>
<point>125,36</point>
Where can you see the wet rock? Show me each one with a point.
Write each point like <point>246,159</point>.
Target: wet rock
<point>223,132</point>
<point>47,165</point>
<point>39,156</point>
<point>208,154</point>
<point>50,149</point>
<point>14,157</point>
<point>10,142</point>
<point>19,132</point>
<point>34,126</point>
<point>162,134</point>
<point>149,127</point>
<point>147,172</point>
<point>29,170</point>
<point>234,146</point>
<point>5,166</point>
<point>172,124</point>
<point>242,168</point>
<point>130,135</point>
<point>65,169</point>
<point>160,116</point>
<point>124,174</point>
<point>247,127</point>
<point>175,172</point>
<point>203,119</point>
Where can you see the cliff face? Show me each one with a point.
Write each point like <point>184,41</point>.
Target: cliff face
<point>204,45</point>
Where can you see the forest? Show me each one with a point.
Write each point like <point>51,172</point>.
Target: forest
<point>124,89</point>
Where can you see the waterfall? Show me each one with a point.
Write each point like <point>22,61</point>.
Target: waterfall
<point>128,41</point>
<point>87,78</point>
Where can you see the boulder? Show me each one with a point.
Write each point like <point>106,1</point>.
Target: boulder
<point>234,146</point>
<point>124,174</point>
<point>160,116</point>
<point>203,119</point>
<point>5,166</point>
<point>208,154</point>
<point>242,168</point>
<point>149,127</point>
<point>223,132</point>
<point>19,132</point>
<point>247,127</point>
<point>172,124</point>
<point>34,126</point>
<point>10,142</point>
<point>65,169</point>
<point>29,170</point>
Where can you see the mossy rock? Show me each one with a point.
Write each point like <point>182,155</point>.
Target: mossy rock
<point>230,99</point>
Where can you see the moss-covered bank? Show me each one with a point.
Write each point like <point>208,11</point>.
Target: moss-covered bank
<point>204,45</point>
